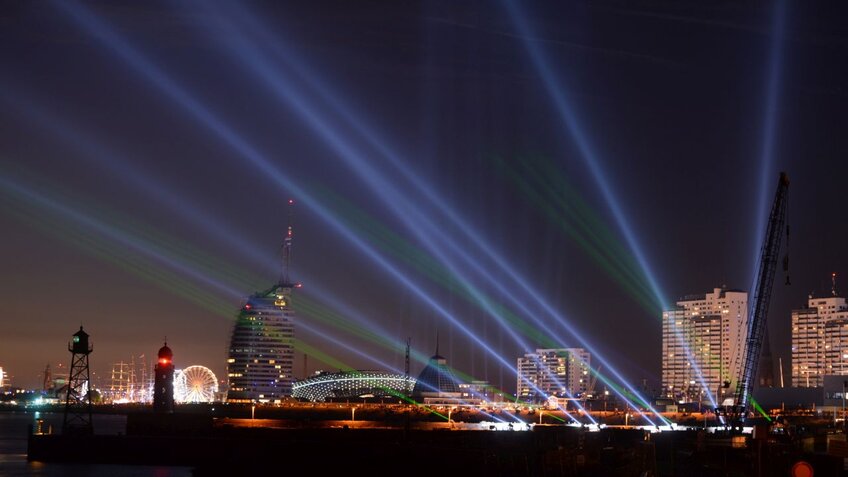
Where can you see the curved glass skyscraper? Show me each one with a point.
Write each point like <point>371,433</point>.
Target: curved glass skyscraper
<point>261,354</point>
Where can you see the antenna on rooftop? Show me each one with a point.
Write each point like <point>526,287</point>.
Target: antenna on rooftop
<point>833,283</point>
<point>406,375</point>
<point>287,245</point>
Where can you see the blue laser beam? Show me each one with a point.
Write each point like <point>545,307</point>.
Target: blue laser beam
<point>18,188</point>
<point>97,151</point>
<point>770,126</point>
<point>284,92</point>
<point>273,77</point>
<point>247,151</point>
<point>230,137</point>
<point>572,124</point>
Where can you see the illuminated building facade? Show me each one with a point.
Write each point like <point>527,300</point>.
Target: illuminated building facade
<point>261,357</point>
<point>479,390</point>
<point>707,333</point>
<point>351,385</point>
<point>437,384</point>
<point>553,372</point>
<point>819,341</point>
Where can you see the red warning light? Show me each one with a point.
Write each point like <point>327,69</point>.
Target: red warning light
<point>247,307</point>
<point>298,285</point>
<point>291,201</point>
<point>164,360</point>
<point>802,469</point>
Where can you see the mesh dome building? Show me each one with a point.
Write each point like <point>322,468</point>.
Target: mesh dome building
<point>352,385</point>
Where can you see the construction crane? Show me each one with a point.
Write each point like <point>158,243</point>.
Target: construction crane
<point>761,299</point>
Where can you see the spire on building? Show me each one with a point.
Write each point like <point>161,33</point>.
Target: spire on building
<point>287,249</point>
<point>436,380</point>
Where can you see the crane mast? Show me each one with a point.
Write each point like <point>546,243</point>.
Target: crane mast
<point>762,296</point>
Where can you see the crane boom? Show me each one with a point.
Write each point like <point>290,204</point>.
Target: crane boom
<point>762,295</point>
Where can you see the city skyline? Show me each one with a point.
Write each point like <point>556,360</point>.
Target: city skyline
<point>474,171</point>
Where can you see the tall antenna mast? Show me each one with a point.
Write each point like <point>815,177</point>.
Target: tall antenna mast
<point>833,283</point>
<point>406,376</point>
<point>287,244</point>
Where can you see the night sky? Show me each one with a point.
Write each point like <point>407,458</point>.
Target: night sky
<point>483,162</point>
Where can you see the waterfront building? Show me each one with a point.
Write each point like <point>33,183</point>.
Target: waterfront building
<point>479,390</point>
<point>352,385</point>
<point>163,381</point>
<point>437,384</point>
<point>703,341</point>
<point>260,365</point>
<point>558,372</point>
<point>819,340</point>
<point>261,357</point>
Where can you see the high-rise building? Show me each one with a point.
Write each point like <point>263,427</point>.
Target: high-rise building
<point>819,340</point>
<point>261,358</point>
<point>703,345</point>
<point>553,372</point>
<point>260,365</point>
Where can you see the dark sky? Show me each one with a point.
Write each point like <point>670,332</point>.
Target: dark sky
<point>467,159</point>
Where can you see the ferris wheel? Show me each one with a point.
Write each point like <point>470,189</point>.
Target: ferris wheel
<point>195,384</point>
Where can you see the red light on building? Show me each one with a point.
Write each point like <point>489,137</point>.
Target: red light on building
<point>247,307</point>
<point>163,397</point>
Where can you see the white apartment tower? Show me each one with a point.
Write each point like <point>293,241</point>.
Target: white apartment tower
<point>553,372</point>
<point>704,334</point>
<point>819,340</point>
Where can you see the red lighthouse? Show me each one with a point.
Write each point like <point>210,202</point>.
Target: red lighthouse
<point>163,386</point>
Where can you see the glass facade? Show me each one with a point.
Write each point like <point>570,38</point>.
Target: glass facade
<point>261,355</point>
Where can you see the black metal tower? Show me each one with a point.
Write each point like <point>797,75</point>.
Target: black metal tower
<point>77,418</point>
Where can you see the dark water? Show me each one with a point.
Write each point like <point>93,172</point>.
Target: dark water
<point>13,447</point>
